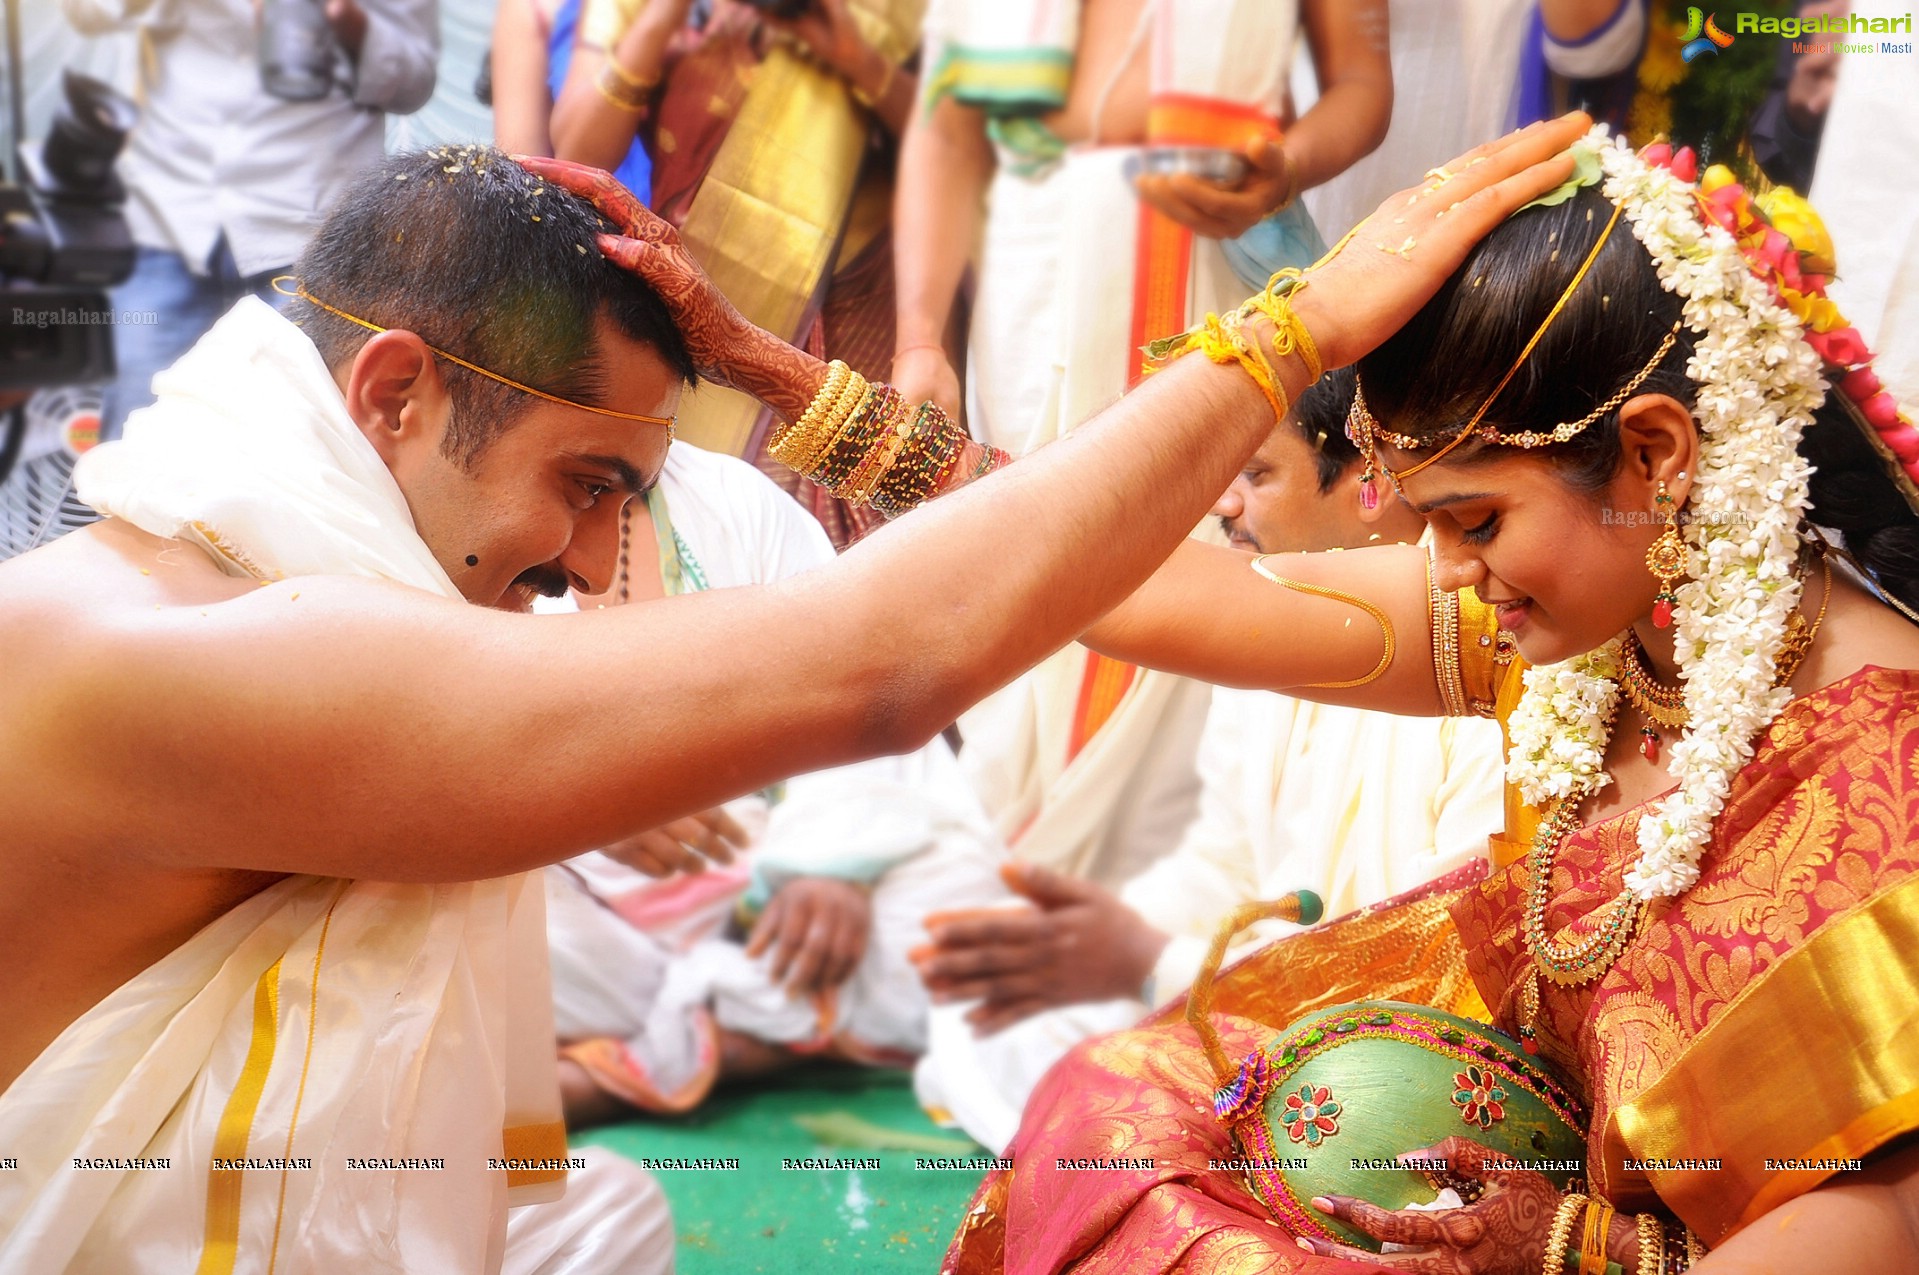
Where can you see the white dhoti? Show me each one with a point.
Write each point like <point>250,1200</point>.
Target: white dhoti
<point>1085,764</point>
<point>613,1221</point>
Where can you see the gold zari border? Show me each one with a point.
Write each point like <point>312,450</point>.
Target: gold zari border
<point>545,1143</point>
<point>1815,1060</point>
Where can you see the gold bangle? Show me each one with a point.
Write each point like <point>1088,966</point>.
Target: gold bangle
<point>839,417</point>
<point>1379,617</point>
<point>1442,611</point>
<point>640,83</point>
<point>1559,1238</point>
<point>1652,1244</point>
<point>799,444</point>
<point>614,85</point>
<point>1292,182</point>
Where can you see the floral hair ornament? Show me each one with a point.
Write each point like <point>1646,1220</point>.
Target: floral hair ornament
<point>1788,248</point>
<point>1757,366</point>
<point>298,289</point>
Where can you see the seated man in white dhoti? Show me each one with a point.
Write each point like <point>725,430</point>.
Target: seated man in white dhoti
<point>279,755</point>
<point>657,992</point>
<point>1356,806</point>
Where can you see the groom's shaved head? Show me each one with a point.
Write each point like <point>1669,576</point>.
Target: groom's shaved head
<point>475,255</point>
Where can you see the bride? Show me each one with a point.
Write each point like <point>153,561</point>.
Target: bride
<point>1683,573</point>
<point>1614,417</point>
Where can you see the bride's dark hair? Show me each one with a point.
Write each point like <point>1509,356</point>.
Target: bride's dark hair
<point>1432,375</point>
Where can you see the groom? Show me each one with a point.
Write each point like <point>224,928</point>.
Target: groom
<point>272,789</point>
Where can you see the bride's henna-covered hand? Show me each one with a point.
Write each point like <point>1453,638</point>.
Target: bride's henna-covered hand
<point>727,349</point>
<point>1502,1233</point>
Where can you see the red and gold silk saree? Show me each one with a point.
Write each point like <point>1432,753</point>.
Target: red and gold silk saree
<point>1765,1020</point>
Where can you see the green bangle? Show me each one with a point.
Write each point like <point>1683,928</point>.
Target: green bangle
<point>1573,1264</point>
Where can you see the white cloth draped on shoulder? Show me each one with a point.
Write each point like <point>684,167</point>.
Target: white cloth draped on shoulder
<point>334,1075</point>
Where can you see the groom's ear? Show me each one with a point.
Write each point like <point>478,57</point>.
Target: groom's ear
<point>395,394</point>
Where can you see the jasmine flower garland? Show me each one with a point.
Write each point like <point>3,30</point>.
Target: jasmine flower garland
<point>1759,382</point>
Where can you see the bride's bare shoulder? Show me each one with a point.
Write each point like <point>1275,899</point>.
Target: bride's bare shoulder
<point>1859,631</point>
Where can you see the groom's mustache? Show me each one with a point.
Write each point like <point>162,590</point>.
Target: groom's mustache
<point>548,582</point>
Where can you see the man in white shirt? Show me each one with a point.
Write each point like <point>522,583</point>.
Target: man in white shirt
<point>225,181</point>
<point>1356,806</point>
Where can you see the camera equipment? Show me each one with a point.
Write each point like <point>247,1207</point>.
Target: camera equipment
<point>298,54</point>
<point>62,238</point>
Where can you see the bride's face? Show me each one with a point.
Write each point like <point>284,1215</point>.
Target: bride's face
<point>1565,568</point>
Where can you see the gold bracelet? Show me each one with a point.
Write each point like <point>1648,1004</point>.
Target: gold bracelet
<point>616,87</point>
<point>1652,1244</point>
<point>1292,180</point>
<point>1442,612</point>
<point>1379,617</point>
<point>795,442</point>
<point>1559,1238</point>
<point>801,445</point>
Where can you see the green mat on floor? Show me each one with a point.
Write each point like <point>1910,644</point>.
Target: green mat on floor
<point>792,1221</point>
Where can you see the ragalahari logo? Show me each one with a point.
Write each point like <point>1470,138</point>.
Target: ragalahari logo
<point>1702,35</point>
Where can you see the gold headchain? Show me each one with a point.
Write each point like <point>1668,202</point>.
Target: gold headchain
<point>1366,432</point>
<point>299,290</point>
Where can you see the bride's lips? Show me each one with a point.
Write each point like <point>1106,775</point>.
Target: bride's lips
<point>1511,613</point>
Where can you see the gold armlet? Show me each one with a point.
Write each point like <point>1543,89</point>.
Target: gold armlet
<point>1442,622</point>
<point>1379,617</point>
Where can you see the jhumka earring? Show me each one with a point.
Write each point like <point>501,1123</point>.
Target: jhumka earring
<point>1666,559</point>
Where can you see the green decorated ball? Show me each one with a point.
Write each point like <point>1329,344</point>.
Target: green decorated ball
<point>1330,1105</point>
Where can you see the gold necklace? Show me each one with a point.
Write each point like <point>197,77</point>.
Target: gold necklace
<point>1661,705</point>
<point>1589,958</point>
